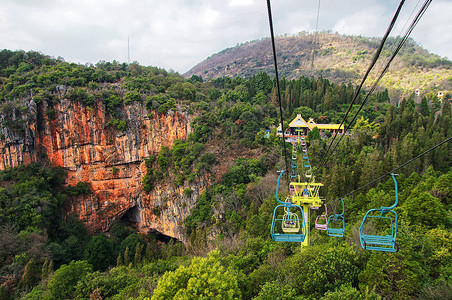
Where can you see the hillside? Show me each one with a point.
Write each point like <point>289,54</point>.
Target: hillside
<point>339,58</point>
<point>119,181</point>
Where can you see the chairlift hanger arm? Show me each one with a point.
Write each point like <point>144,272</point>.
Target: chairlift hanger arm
<point>386,208</point>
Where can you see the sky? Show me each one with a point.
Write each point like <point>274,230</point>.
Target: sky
<point>178,34</point>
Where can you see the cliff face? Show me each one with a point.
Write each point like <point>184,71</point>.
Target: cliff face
<point>75,137</point>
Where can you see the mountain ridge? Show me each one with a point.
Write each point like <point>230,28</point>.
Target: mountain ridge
<point>339,58</point>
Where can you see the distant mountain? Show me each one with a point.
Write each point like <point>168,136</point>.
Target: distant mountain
<point>339,58</point>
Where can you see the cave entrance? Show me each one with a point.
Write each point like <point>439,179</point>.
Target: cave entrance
<point>131,217</point>
<point>162,237</point>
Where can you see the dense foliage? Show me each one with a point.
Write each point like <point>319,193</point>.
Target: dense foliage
<point>45,254</point>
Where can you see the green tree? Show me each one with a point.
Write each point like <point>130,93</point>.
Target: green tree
<point>107,284</point>
<point>314,134</point>
<point>276,291</point>
<point>394,275</point>
<point>99,252</point>
<point>204,278</point>
<point>126,257</point>
<point>30,276</point>
<point>425,210</point>
<point>347,292</point>
<point>62,285</point>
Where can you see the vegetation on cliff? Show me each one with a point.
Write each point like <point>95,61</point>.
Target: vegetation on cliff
<point>46,254</point>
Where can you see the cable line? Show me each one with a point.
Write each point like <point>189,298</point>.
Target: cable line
<point>396,51</point>
<point>315,40</point>
<point>277,81</point>
<point>372,64</point>
<point>399,167</point>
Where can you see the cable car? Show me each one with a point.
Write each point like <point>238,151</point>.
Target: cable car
<point>322,220</point>
<point>381,217</point>
<point>287,226</point>
<point>336,224</point>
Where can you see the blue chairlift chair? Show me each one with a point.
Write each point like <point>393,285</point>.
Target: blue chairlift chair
<point>287,226</point>
<point>384,216</point>
<point>336,224</point>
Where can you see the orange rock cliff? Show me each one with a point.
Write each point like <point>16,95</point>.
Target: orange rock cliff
<point>75,137</point>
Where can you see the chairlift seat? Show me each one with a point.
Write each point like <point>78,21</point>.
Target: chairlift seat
<point>339,230</point>
<point>382,242</point>
<point>293,229</point>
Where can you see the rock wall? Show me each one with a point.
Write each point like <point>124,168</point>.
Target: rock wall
<point>76,138</point>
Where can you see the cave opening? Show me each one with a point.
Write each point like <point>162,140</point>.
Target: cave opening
<point>131,217</point>
<point>162,237</point>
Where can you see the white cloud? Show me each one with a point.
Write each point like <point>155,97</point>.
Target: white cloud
<point>178,34</point>
<point>233,3</point>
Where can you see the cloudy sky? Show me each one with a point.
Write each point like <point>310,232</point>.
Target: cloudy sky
<point>177,34</point>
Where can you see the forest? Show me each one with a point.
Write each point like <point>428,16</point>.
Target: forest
<point>47,254</point>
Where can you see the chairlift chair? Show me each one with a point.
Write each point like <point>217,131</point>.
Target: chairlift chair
<point>291,222</point>
<point>385,241</point>
<point>336,224</point>
<point>287,226</point>
<point>322,220</point>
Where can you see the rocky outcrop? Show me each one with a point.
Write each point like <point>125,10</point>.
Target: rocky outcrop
<point>76,137</point>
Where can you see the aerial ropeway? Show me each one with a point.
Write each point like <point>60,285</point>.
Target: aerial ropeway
<point>293,172</point>
<point>336,224</point>
<point>288,224</point>
<point>376,219</point>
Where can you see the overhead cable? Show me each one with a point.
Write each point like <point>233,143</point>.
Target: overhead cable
<point>383,72</point>
<point>277,82</point>
<point>372,64</point>
<point>398,168</point>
